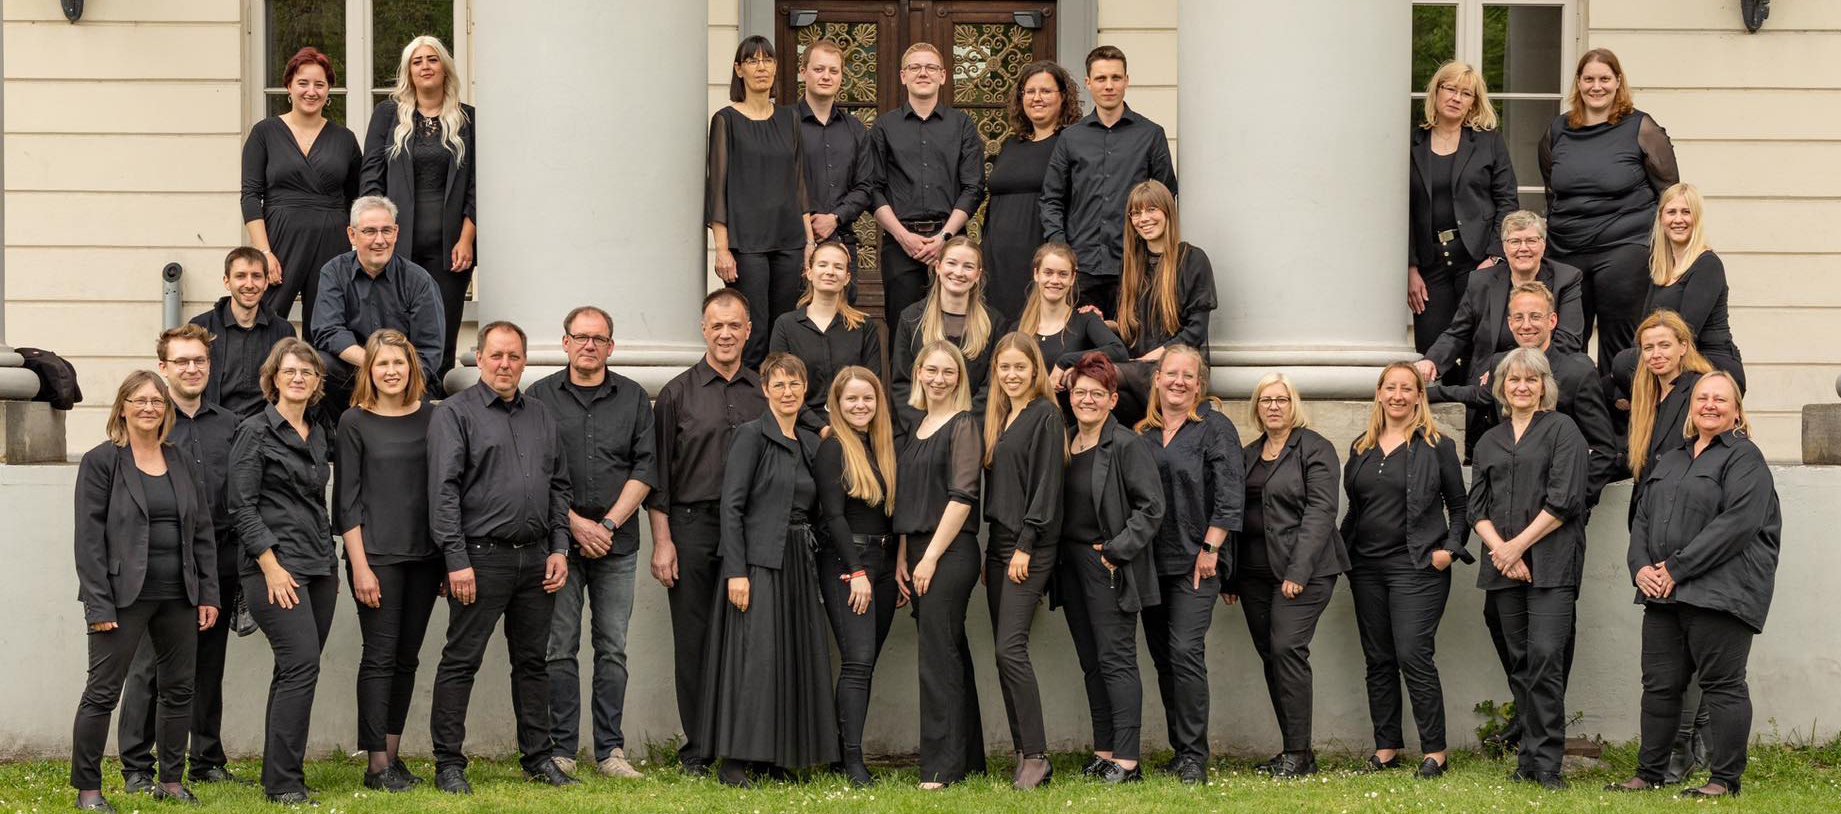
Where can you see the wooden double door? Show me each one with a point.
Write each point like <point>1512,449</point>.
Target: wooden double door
<point>986,44</point>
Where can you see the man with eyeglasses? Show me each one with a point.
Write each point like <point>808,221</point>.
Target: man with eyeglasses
<point>605,421</point>
<point>244,330</point>
<point>201,432</point>
<point>837,171</point>
<point>929,178</point>
<point>371,288</point>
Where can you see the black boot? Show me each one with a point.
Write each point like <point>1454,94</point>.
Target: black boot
<point>854,769</point>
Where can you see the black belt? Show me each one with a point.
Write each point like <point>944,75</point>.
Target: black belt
<point>924,227</point>
<point>492,542</point>
<point>867,540</point>
<point>1446,236</point>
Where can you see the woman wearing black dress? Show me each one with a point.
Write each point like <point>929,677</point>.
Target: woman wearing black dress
<point>936,514</point>
<point>1160,303</point>
<point>826,331</point>
<point>1686,277</point>
<point>1407,522</point>
<point>1026,450</point>
<point>1043,101</point>
<point>300,175</point>
<point>1112,505</point>
<point>391,561</point>
<point>1605,164</point>
<point>955,311</point>
<point>1463,186</point>
<point>1064,334</point>
<point>1527,493</point>
<point>1703,554</point>
<point>1286,562</point>
<point>855,470</point>
<point>278,474</point>
<point>419,153</point>
<point>146,569</point>
<point>755,201</point>
<point>768,681</point>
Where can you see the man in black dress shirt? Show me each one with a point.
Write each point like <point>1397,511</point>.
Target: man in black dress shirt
<point>371,288</point>
<point>201,432</point>
<point>929,165</point>
<point>245,329</point>
<point>498,505</point>
<point>606,424</point>
<point>1090,175</point>
<point>838,171</point>
<point>695,416</point>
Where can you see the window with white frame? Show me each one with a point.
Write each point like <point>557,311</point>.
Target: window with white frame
<point>364,39</point>
<point>1525,50</point>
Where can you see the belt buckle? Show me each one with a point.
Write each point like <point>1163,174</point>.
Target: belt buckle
<point>1447,235</point>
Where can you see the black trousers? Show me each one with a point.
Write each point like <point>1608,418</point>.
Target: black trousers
<point>1176,633</point>
<point>1616,282</point>
<point>1397,610</point>
<point>1537,624</point>
<point>510,585</point>
<point>1444,283</point>
<point>1099,292</point>
<point>1679,640</point>
<point>1113,637</point>
<point>1013,613</point>
<point>135,728</point>
<point>1282,629</point>
<point>772,282</point>
<point>1492,620</point>
<point>859,636</point>
<point>393,633</point>
<point>172,625</point>
<point>695,530</point>
<point>904,280</point>
<point>297,635</point>
<point>951,729</point>
<point>453,287</point>
<point>304,239</point>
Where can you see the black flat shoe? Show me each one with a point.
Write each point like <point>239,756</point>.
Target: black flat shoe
<point>1095,764</point>
<point>1034,772</point>
<point>734,774</point>
<point>402,771</point>
<point>136,782</point>
<point>212,774</point>
<point>293,798</point>
<point>453,780</point>
<point>1295,764</point>
<point>1430,768</point>
<point>1375,764</point>
<point>387,780</point>
<point>183,795</point>
<point>549,772</point>
<point>1191,772</point>
<point>1551,781</point>
<point>1113,774</point>
<point>99,804</point>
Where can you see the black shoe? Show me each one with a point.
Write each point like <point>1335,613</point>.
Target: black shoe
<point>1681,762</point>
<point>1697,794</point>
<point>1376,764</point>
<point>183,795</point>
<point>453,780</point>
<point>99,804</point>
<point>694,767</point>
<point>402,771</point>
<point>387,780</point>
<point>549,772</point>
<point>136,782</point>
<point>293,798</point>
<point>1430,768</point>
<point>1270,763</point>
<point>1033,772</point>
<point>1519,776</point>
<point>1095,764</point>
<point>852,768</point>
<point>733,774</point>
<point>1295,764</point>
<point>1551,781</point>
<point>213,774</point>
<point>1191,771</point>
<point>1113,774</point>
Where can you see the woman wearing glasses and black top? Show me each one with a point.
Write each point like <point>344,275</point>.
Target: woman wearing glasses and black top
<point>278,474</point>
<point>146,569</point>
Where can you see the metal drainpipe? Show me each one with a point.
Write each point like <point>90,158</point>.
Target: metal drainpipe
<point>170,299</point>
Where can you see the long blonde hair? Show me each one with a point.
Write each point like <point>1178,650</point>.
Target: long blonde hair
<point>1646,389</point>
<point>1482,114</point>
<point>861,464</point>
<point>1164,307</point>
<point>1377,416</point>
<point>998,406</point>
<point>961,392</point>
<point>404,93</point>
<point>978,327</point>
<point>853,318</point>
<point>1663,270</point>
<point>1032,308</point>
<point>1744,427</point>
<point>1153,410</point>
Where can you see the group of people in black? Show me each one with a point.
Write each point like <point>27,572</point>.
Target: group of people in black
<point>801,484</point>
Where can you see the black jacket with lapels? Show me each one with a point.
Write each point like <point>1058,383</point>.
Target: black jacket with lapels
<point>112,529</point>
<point>1434,489</point>
<point>757,493</point>
<point>1714,521</point>
<point>1480,328</point>
<point>1482,193</point>
<point>1299,502</point>
<point>1128,500</point>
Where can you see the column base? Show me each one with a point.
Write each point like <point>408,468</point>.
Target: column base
<point>1318,371</point>
<point>31,432</point>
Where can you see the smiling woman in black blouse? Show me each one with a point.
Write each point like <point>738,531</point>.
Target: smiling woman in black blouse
<point>826,331</point>
<point>1064,334</point>
<point>1166,291</point>
<point>278,474</point>
<point>391,561</point>
<point>1688,279</point>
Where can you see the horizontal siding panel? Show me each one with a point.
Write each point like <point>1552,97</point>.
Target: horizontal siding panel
<point>107,329</point>
<point>130,11</point>
<point>1779,435</point>
<point>80,219</point>
<point>1761,225</point>
<point>1790,168</point>
<point>1158,103</point>
<point>722,42</point>
<point>1726,60</point>
<point>64,51</point>
<point>1719,15</point>
<point>724,12</point>
<point>1780,279</point>
<point>1788,387</point>
<point>1115,14</point>
<point>1801,336</point>
<point>112,107</point>
<point>1745,113</point>
<point>200,163</point>
<point>1150,55</point>
<point>90,273</point>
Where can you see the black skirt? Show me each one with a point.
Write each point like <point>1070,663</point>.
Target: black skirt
<point>767,684</point>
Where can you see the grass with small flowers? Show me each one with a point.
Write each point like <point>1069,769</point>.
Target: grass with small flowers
<point>1780,779</point>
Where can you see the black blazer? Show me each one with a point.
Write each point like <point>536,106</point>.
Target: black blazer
<point>1434,488</point>
<point>394,177</point>
<point>1482,194</point>
<point>757,494</point>
<point>1482,320</point>
<point>1299,502</point>
<point>112,529</point>
<point>1128,498</point>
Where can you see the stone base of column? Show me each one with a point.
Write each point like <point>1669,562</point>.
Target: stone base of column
<point>1319,371</point>
<point>1341,421</point>
<point>31,432</point>
<point>1822,434</point>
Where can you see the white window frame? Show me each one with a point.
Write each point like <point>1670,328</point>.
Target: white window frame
<point>1469,43</point>
<point>357,75</point>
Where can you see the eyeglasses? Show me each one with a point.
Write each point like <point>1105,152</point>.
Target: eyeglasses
<point>297,373</point>
<point>938,69</point>
<point>374,231</point>
<point>758,61</point>
<point>1083,394</point>
<point>200,362</point>
<point>1461,93</point>
<point>592,339</point>
<point>155,403</point>
<point>1520,242</point>
<point>1275,401</point>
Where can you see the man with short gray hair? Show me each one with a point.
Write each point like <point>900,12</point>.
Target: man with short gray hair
<point>368,289</point>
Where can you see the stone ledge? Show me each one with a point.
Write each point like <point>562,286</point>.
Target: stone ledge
<point>31,433</point>
<point>1822,434</point>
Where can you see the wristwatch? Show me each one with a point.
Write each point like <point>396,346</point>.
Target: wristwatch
<point>1209,548</point>
<point>608,523</point>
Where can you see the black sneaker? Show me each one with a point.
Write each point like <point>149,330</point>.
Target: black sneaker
<point>136,782</point>
<point>387,780</point>
<point>1295,764</point>
<point>453,780</point>
<point>293,798</point>
<point>213,774</point>
<point>402,771</point>
<point>99,804</point>
<point>1191,771</point>
<point>549,772</point>
<point>1270,763</point>
<point>1095,764</point>
<point>1113,774</point>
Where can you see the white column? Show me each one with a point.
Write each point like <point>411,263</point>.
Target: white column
<point>1292,162</point>
<point>593,117</point>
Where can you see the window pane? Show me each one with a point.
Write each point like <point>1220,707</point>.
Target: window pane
<point>1524,122</point>
<point>394,23</point>
<point>1434,41</point>
<point>294,24</point>
<point>1521,49</point>
<point>335,105</point>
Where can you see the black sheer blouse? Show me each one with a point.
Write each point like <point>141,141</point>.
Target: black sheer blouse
<point>935,470</point>
<point>824,353</point>
<point>1512,481</point>
<point>756,180</point>
<point>1195,300</point>
<point>1084,332</point>
<point>1604,181</point>
<point>1023,485</point>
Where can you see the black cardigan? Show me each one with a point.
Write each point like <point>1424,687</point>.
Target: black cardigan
<point>112,531</point>
<point>1128,500</point>
<point>1482,194</point>
<point>394,176</point>
<point>1481,321</point>
<point>1713,519</point>
<point>1299,501</point>
<point>757,494</point>
<point>1434,489</point>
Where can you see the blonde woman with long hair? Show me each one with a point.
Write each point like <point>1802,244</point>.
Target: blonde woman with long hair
<point>1688,278</point>
<point>1064,333</point>
<point>418,153</point>
<point>955,311</point>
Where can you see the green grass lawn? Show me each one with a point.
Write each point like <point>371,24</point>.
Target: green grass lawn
<point>1779,779</point>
